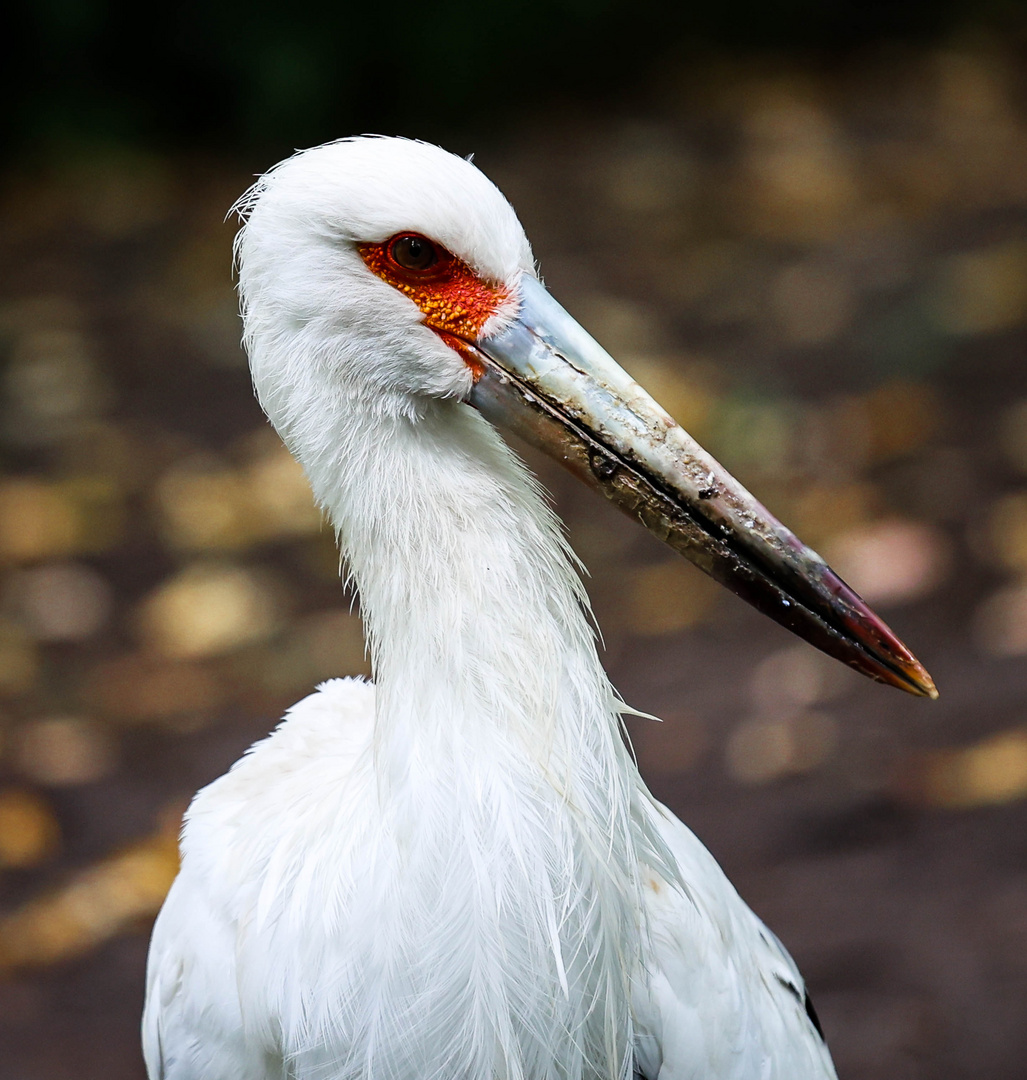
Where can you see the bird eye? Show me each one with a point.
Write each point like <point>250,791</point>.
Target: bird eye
<point>413,253</point>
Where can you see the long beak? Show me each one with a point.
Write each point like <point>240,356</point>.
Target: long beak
<point>548,381</point>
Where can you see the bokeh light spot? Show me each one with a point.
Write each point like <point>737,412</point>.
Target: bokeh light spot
<point>29,833</point>
<point>60,602</point>
<point>206,610</point>
<point>37,521</point>
<point>988,772</point>
<point>760,750</point>
<point>893,561</point>
<point>62,751</point>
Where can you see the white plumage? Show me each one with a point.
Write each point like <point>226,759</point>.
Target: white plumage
<point>456,872</point>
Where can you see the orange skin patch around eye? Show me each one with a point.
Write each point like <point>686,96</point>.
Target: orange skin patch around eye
<point>455,302</point>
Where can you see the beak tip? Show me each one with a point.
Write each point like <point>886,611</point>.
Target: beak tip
<point>928,689</point>
<point>912,677</point>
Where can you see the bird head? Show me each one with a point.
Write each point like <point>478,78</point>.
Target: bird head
<point>393,274</point>
<point>384,254</point>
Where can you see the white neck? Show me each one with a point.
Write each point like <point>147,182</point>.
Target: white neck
<point>498,750</point>
<point>474,613</point>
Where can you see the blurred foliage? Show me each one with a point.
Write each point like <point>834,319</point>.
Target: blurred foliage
<point>269,76</point>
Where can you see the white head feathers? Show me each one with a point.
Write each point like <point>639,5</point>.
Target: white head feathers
<point>305,289</point>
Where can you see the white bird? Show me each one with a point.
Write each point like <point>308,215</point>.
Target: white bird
<point>456,873</point>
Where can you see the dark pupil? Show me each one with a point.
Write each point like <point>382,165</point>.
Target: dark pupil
<point>413,253</point>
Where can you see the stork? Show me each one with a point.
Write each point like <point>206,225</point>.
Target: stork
<point>456,872</point>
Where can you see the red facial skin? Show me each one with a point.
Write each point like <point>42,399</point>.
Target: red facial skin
<point>455,302</point>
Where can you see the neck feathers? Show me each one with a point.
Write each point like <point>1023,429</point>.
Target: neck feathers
<point>473,610</point>
<point>502,774</point>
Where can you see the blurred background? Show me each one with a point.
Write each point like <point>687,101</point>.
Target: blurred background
<point>802,226</point>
